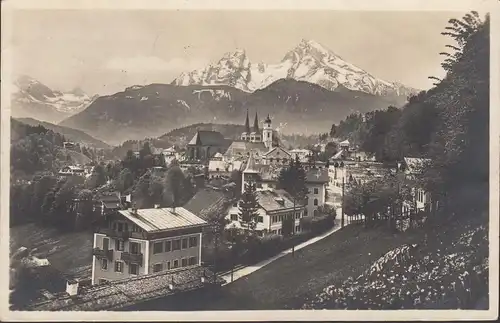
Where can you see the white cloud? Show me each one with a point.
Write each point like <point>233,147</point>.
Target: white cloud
<point>153,63</point>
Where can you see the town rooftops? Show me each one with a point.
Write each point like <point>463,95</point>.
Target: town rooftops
<point>208,138</point>
<point>128,292</point>
<point>276,148</point>
<point>239,147</point>
<point>163,219</point>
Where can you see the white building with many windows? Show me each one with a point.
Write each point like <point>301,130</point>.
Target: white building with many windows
<point>274,207</point>
<point>139,242</point>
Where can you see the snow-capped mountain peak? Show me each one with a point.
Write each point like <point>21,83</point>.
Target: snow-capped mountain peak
<point>31,98</point>
<point>309,61</point>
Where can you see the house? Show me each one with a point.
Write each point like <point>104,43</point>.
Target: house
<point>274,207</point>
<point>413,167</point>
<point>349,152</point>
<point>218,167</point>
<point>276,156</point>
<point>136,242</point>
<point>72,171</point>
<point>316,182</point>
<point>205,144</point>
<point>169,155</point>
<point>208,202</point>
<point>107,203</point>
<point>69,145</point>
<point>302,154</point>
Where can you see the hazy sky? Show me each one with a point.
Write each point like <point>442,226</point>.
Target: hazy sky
<point>105,51</point>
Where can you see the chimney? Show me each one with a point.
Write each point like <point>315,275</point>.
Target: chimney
<point>133,210</point>
<point>72,287</point>
<point>157,206</point>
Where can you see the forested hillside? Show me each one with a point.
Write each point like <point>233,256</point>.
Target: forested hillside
<point>448,123</point>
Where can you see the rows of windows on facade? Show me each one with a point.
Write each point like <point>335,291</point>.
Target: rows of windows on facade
<point>158,248</point>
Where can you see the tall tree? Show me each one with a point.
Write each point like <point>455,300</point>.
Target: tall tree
<point>248,207</point>
<point>174,186</point>
<point>125,180</point>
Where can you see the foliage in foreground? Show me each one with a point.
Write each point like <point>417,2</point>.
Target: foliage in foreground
<point>448,269</point>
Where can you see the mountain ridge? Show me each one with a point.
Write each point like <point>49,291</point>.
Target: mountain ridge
<point>71,134</point>
<point>152,110</point>
<point>33,99</point>
<point>309,61</point>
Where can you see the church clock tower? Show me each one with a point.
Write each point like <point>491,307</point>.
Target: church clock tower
<point>267,133</point>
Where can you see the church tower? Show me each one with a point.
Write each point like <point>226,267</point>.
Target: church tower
<point>245,136</point>
<point>250,174</point>
<point>255,136</point>
<point>267,133</point>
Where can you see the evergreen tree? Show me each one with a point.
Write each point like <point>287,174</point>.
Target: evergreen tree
<point>249,207</point>
<point>174,186</point>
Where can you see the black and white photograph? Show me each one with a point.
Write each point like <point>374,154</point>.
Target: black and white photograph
<point>194,160</point>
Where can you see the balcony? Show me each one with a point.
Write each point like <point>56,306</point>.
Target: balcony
<point>125,235</point>
<point>100,253</point>
<point>130,257</point>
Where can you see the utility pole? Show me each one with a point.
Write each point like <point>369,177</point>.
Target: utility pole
<point>342,207</point>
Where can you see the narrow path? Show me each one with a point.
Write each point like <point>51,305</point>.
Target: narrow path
<point>242,272</point>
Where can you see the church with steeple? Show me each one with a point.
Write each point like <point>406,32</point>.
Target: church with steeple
<point>255,135</point>
<point>258,143</point>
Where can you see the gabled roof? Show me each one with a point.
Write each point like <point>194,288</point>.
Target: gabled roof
<point>240,147</point>
<point>163,219</point>
<point>205,202</point>
<point>126,292</point>
<point>276,148</point>
<point>251,167</point>
<point>317,176</point>
<point>269,200</point>
<point>208,138</point>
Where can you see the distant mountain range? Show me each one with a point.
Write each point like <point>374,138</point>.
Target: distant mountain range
<point>70,134</point>
<point>309,61</point>
<point>306,92</point>
<point>153,110</point>
<point>32,99</point>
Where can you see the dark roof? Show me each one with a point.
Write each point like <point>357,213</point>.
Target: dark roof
<point>317,175</point>
<point>205,202</point>
<point>111,205</point>
<point>109,196</point>
<point>128,292</point>
<point>269,200</point>
<point>209,138</point>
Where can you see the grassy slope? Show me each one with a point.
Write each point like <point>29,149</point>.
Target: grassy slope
<point>289,282</point>
<point>68,252</point>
